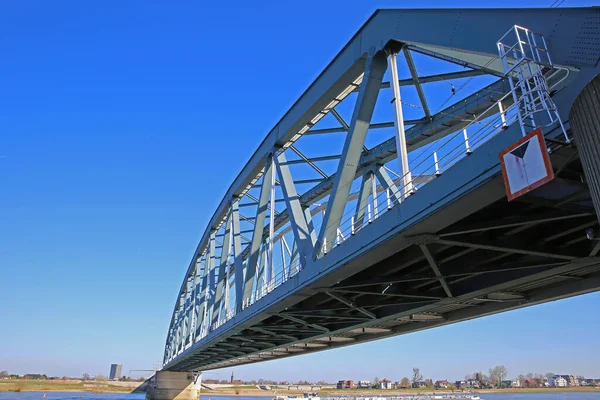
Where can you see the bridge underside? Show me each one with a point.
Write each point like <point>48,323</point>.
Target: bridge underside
<point>502,256</point>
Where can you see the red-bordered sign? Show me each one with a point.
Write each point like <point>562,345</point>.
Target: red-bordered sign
<point>526,165</point>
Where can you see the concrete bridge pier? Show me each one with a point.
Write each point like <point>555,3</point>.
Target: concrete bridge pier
<point>169,385</point>
<point>585,124</point>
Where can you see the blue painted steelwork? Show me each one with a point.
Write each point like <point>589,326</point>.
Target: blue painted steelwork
<point>384,263</point>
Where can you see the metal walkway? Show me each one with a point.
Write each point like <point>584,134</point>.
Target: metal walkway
<point>327,238</point>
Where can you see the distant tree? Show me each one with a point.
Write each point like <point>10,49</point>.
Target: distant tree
<point>100,378</point>
<point>498,374</point>
<point>478,376</point>
<point>4,374</point>
<point>376,380</point>
<point>467,377</point>
<point>452,386</point>
<point>417,376</point>
<point>549,374</point>
<point>429,383</point>
<point>405,383</point>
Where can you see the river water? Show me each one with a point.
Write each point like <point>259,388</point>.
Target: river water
<point>140,396</point>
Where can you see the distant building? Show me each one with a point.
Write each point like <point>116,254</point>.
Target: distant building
<point>573,380</point>
<point>385,384</point>
<point>460,384</point>
<point>557,381</point>
<point>474,384</point>
<point>115,371</point>
<point>512,383</point>
<point>419,384</point>
<point>364,384</point>
<point>345,384</point>
<point>444,384</point>
<point>231,381</point>
<point>530,383</point>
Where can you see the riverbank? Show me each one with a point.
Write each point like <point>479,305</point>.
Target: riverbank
<point>250,391</point>
<point>255,392</point>
<point>22,385</point>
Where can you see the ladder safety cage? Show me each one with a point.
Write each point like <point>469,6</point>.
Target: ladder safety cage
<point>526,60</point>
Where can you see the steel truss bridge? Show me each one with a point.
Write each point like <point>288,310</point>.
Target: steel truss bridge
<point>328,238</point>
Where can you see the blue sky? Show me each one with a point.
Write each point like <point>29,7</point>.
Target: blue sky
<point>121,126</point>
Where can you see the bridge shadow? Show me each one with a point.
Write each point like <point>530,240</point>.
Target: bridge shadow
<point>143,388</point>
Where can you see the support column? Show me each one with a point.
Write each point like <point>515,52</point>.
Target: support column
<point>169,385</point>
<point>406,182</point>
<point>585,124</point>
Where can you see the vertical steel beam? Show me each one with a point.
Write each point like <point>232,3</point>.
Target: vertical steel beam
<point>227,277</point>
<point>203,303</point>
<point>211,282</point>
<point>406,184</point>
<point>196,298</point>
<point>374,195</point>
<point>259,224</point>
<point>270,267</point>
<point>359,126</point>
<point>300,220</point>
<point>222,267</point>
<point>238,262</point>
<point>294,259</point>
<point>363,200</point>
<point>261,281</point>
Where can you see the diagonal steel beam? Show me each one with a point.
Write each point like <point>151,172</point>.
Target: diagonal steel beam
<point>303,322</point>
<point>387,294</point>
<point>361,118</point>
<point>437,78</point>
<point>416,82</point>
<point>378,125</point>
<point>345,125</point>
<point>340,119</point>
<point>436,270</point>
<point>512,222</point>
<point>257,236</point>
<point>222,269</point>
<point>388,184</point>
<point>494,247</point>
<point>309,162</point>
<point>300,221</point>
<point>351,304</point>
<point>267,332</point>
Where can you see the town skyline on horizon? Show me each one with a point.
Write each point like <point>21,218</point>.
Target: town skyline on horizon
<point>106,171</point>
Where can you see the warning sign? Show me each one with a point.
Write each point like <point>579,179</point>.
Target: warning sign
<point>526,165</point>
